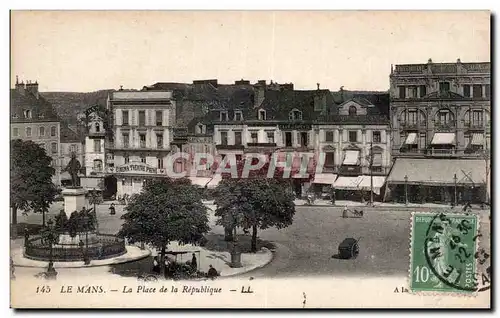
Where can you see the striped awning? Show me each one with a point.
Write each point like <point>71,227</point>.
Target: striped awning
<point>477,139</point>
<point>366,183</point>
<point>324,178</point>
<point>351,158</point>
<point>411,139</point>
<point>443,139</point>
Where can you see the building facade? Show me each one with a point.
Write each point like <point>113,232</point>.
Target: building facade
<point>441,111</point>
<point>95,155</point>
<point>143,124</point>
<point>356,147</point>
<point>33,118</point>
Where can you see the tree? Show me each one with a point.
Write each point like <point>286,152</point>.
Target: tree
<point>255,202</point>
<point>31,187</point>
<point>166,210</point>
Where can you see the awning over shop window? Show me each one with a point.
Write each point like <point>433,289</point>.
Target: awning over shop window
<point>438,172</point>
<point>200,181</point>
<point>411,139</point>
<point>443,139</point>
<point>347,183</point>
<point>378,183</point>
<point>477,139</point>
<point>215,181</point>
<point>325,178</point>
<point>351,158</point>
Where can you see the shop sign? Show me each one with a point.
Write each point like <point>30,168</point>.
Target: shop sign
<point>136,167</point>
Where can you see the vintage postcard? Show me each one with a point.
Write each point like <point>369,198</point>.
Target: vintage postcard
<point>250,159</point>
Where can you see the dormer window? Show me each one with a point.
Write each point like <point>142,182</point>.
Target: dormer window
<point>262,114</point>
<point>27,113</point>
<point>15,116</point>
<point>200,129</point>
<point>41,116</point>
<point>224,116</point>
<point>353,111</point>
<point>238,115</point>
<point>97,127</point>
<point>295,114</point>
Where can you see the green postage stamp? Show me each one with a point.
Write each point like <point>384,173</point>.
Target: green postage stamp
<point>443,253</point>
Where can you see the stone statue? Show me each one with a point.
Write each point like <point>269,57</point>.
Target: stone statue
<point>73,168</point>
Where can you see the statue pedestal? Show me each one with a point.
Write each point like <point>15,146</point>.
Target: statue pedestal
<point>74,199</point>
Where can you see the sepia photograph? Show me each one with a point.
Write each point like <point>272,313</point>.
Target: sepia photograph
<point>250,159</point>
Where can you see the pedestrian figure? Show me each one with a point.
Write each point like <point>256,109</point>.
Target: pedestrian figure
<point>333,196</point>
<point>344,213</point>
<point>194,263</point>
<point>156,265</point>
<point>12,269</point>
<point>26,235</point>
<point>212,272</point>
<point>112,210</point>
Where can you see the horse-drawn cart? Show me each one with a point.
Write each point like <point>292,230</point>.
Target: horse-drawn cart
<point>349,248</point>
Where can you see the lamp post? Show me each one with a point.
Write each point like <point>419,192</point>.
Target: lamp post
<point>371,172</point>
<point>235,252</point>
<point>51,237</point>
<point>95,199</point>
<point>86,259</point>
<point>406,190</point>
<point>455,190</point>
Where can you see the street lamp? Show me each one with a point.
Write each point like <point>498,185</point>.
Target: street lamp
<point>51,237</point>
<point>235,252</point>
<point>95,199</point>
<point>86,259</point>
<point>406,190</point>
<point>455,190</point>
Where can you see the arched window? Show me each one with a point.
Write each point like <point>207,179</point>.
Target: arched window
<point>295,114</point>
<point>126,158</point>
<point>200,129</point>
<point>27,113</point>
<point>97,127</point>
<point>41,130</point>
<point>53,132</point>
<point>28,131</point>
<point>353,110</point>
<point>476,117</point>
<point>97,165</point>
<point>413,117</point>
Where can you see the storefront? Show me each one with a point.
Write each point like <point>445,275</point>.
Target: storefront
<point>358,188</point>
<point>437,180</point>
<point>131,177</point>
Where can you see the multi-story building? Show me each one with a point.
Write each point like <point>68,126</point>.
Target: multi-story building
<point>33,118</point>
<point>270,118</point>
<point>142,132</point>
<point>440,118</point>
<point>355,141</point>
<point>95,156</point>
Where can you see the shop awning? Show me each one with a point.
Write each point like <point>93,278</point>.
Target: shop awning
<point>477,139</point>
<point>215,181</point>
<point>443,139</point>
<point>378,183</point>
<point>351,158</point>
<point>324,178</point>
<point>200,181</point>
<point>438,172</point>
<point>411,139</point>
<point>348,183</point>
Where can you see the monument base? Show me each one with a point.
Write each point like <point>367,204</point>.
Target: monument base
<point>74,199</point>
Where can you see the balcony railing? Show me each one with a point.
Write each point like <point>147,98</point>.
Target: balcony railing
<point>350,170</point>
<point>413,125</point>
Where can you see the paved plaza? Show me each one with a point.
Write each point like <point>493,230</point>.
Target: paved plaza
<point>306,247</point>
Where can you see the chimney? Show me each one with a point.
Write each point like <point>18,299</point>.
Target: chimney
<point>32,87</point>
<point>458,61</point>
<point>429,61</point>
<point>317,84</point>
<point>261,82</point>
<point>20,87</point>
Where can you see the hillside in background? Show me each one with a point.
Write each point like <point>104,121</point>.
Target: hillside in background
<point>69,104</point>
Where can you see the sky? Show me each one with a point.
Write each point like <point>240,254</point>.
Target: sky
<point>82,51</point>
